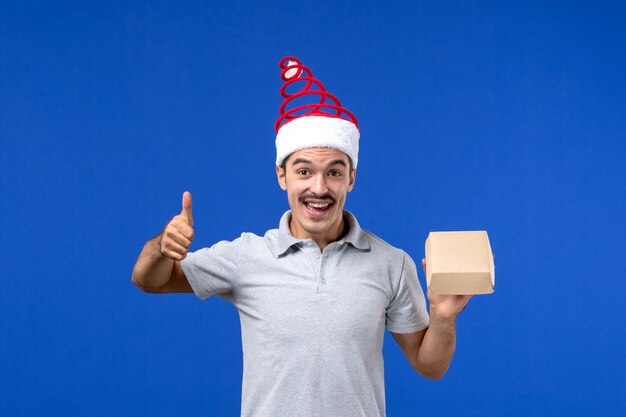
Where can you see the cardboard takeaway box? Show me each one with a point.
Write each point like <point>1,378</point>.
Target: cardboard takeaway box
<point>459,263</point>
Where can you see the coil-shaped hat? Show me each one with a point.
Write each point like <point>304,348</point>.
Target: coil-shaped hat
<point>308,123</point>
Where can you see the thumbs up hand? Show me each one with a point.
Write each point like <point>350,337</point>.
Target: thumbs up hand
<point>186,211</point>
<point>178,233</point>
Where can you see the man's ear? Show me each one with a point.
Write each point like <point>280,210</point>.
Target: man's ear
<point>352,179</point>
<point>282,180</point>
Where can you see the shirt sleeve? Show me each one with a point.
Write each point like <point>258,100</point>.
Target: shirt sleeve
<point>406,312</point>
<point>213,271</point>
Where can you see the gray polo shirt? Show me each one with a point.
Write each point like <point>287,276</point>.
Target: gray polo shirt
<point>312,323</point>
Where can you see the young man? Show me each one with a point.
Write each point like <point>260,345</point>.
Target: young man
<point>315,295</point>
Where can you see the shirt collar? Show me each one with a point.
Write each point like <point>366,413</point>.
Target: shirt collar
<point>356,236</point>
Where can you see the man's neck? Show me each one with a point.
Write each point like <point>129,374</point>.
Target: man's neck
<point>323,239</point>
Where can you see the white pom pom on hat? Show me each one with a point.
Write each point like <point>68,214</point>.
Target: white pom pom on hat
<point>324,124</point>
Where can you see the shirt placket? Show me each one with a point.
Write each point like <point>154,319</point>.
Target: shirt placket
<point>317,262</point>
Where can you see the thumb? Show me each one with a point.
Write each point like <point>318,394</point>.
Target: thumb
<point>186,211</point>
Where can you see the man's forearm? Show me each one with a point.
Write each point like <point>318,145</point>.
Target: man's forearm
<point>152,270</point>
<point>437,348</point>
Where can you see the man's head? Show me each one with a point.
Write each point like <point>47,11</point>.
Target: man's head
<point>317,181</point>
<point>317,151</point>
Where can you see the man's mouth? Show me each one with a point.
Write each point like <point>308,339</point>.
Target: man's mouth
<point>317,208</point>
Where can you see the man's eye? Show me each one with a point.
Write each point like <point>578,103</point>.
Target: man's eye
<point>303,172</point>
<point>335,173</point>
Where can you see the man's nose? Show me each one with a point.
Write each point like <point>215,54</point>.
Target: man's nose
<point>319,186</point>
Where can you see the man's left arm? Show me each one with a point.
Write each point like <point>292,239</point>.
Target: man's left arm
<point>430,351</point>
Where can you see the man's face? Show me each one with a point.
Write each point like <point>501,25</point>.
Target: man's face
<point>317,181</point>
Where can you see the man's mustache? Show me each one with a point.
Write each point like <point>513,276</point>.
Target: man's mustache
<point>325,196</point>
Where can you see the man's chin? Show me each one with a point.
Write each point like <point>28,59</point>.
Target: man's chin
<point>316,224</point>
<point>315,227</point>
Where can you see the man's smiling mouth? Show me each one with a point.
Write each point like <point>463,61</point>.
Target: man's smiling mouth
<point>320,206</point>
<point>317,206</point>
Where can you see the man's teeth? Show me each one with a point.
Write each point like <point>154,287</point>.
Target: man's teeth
<point>318,205</point>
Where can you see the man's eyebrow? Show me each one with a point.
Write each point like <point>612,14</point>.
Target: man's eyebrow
<point>301,161</point>
<point>306,161</point>
<point>338,161</point>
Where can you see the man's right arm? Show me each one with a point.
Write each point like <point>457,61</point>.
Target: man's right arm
<point>158,269</point>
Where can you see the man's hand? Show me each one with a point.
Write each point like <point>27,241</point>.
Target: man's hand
<point>430,351</point>
<point>178,234</point>
<point>445,306</point>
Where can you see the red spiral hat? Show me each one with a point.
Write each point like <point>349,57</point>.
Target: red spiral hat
<point>311,116</point>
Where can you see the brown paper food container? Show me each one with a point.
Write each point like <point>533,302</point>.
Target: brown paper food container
<point>459,263</point>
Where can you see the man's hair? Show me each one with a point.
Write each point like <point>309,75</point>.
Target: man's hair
<point>284,164</point>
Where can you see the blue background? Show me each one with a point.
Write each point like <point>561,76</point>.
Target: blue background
<point>473,115</point>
